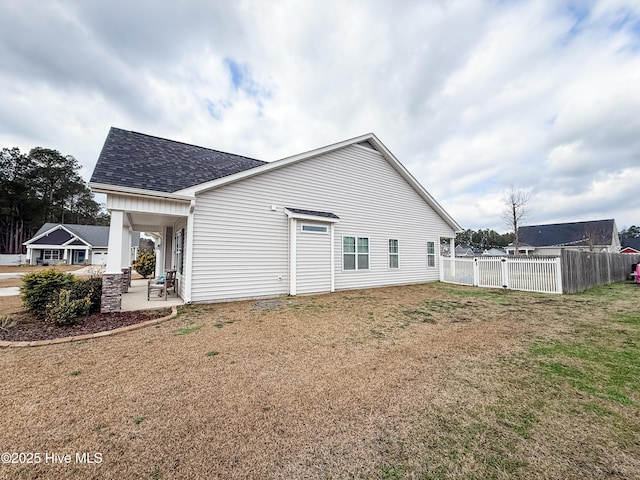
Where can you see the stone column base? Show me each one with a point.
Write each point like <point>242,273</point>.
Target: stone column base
<point>111,293</point>
<point>126,279</point>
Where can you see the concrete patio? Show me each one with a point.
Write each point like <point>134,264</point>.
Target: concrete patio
<point>136,298</point>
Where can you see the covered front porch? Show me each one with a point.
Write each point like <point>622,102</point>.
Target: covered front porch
<point>136,298</point>
<point>166,220</point>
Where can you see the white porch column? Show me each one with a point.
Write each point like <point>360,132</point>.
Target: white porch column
<point>29,254</point>
<point>126,247</point>
<point>86,256</point>
<point>160,249</point>
<point>65,256</point>
<point>116,234</point>
<point>452,256</point>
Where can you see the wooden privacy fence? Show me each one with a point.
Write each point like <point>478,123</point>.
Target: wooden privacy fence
<point>582,270</point>
<point>570,273</point>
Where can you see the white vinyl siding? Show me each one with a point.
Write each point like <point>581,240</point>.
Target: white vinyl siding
<point>241,245</point>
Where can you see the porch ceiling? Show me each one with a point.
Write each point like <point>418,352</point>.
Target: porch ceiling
<point>149,222</point>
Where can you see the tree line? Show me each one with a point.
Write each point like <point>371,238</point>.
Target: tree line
<point>485,239</point>
<point>38,187</point>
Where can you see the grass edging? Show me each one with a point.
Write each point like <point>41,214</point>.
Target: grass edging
<point>89,336</point>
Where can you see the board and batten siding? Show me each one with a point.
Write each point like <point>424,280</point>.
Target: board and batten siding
<point>241,245</point>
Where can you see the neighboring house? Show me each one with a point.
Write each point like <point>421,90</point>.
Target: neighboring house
<point>494,252</point>
<point>594,236</point>
<point>344,216</point>
<point>466,251</point>
<point>57,243</point>
<point>630,245</point>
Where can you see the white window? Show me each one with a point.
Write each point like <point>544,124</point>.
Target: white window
<point>52,255</point>
<point>393,253</point>
<point>314,228</point>
<point>431,254</point>
<point>355,253</point>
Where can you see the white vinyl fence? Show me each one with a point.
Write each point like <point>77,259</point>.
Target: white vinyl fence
<point>532,274</point>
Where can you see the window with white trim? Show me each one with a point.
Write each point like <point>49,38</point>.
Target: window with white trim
<point>355,253</point>
<point>431,254</point>
<point>393,253</point>
<point>307,228</point>
<point>52,255</point>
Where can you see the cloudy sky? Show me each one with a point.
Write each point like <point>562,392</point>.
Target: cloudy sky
<point>471,96</point>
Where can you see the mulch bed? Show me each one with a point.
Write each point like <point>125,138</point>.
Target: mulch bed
<point>25,327</point>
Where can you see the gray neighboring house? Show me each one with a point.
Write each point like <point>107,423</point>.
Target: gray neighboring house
<point>551,239</point>
<point>344,216</point>
<point>56,243</point>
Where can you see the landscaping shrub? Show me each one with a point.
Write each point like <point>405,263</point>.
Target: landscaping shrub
<point>63,310</point>
<point>145,264</point>
<point>90,288</point>
<point>39,288</point>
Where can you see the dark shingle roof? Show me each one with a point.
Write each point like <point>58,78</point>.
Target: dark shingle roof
<point>560,234</point>
<point>314,213</point>
<point>96,235</point>
<point>630,242</point>
<point>136,160</point>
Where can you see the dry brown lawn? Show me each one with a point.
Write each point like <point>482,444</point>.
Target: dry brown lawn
<point>423,381</point>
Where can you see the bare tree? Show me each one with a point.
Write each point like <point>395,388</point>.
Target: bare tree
<point>515,211</point>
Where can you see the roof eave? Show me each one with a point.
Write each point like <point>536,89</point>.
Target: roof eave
<point>117,189</point>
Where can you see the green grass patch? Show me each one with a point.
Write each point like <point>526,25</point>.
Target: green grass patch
<point>212,353</point>
<point>139,420</point>
<point>75,373</point>
<point>393,472</point>
<point>188,330</point>
<point>606,366</point>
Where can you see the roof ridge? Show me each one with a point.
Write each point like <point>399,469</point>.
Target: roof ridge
<point>185,143</point>
<point>568,223</point>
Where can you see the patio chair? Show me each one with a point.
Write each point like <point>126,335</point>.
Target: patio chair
<point>163,284</point>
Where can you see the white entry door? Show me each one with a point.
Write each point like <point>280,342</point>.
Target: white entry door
<point>313,257</point>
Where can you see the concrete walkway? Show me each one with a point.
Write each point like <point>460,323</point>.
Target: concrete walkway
<point>9,291</point>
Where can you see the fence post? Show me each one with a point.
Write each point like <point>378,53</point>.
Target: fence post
<point>476,272</point>
<point>505,273</point>
<point>558,262</point>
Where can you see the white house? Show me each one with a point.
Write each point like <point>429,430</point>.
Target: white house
<point>344,216</point>
<point>73,244</point>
